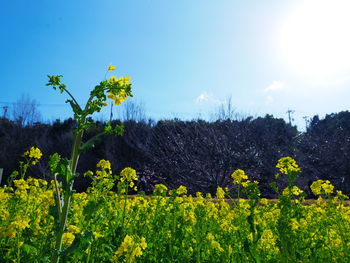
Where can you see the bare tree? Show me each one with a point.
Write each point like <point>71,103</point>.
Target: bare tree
<point>225,111</point>
<point>25,111</point>
<point>133,110</point>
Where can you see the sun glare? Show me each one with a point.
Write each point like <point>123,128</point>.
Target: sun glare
<point>315,38</point>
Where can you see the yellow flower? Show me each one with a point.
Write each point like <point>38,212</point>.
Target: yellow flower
<point>123,81</point>
<point>246,183</point>
<point>33,152</point>
<point>88,174</point>
<point>181,190</point>
<point>74,229</point>
<point>97,235</point>
<point>220,193</point>
<point>322,187</point>
<point>238,176</point>
<point>160,189</point>
<point>128,174</point>
<point>111,67</point>
<point>288,165</point>
<point>293,191</point>
<point>143,243</point>
<point>130,248</point>
<point>267,241</point>
<point>104,164</point>
<point>113,79</point>
<point>264,201</point>
<point>118,98</point>
<point>21,184</point>
<point>67,239</point>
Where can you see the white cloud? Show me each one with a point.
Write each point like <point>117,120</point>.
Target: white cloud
<point>209,98</point>
<point>275,85</point>
<point>203,97</point>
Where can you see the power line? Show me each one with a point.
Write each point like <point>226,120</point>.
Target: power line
<point>39,104</point>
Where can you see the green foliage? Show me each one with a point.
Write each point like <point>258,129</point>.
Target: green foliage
<point>171,226</point>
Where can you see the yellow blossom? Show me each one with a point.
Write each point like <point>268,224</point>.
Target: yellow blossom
<point>33,152</point>
<point>288,165</point>
<point>264,201</point>
<point>88,174</point>
<point>238,176</point>
<point>128,174</point>
<point>113,79</point>
<point>160,189</point>
<point>267,241</point>
<point>181,190</point>
<point>293,191</point>
<point>104,164</point>
<point>130,248</point>
<point>67,239</point>
<point>322,187</point>
<point>97,235</point>
<point>220,193</point>
<point>111,67</point>
<point>118,98</point>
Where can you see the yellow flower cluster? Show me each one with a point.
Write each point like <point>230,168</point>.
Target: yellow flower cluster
<point>267,240</point>
<point>67,239</point>
<point>322,187</point>
<point>295,190</point>
<point>131,248</point>
<point>287,165</point>
<point>104,165</point>
<point>181,190</point>
<point>34,153</point>
<point>220,193</point>
<point>119,96</point>
<point>238,176</point>
<point>129,175</point>
<point>160,189</point>
<point>111,67</point>
<point>215,244</point>
<point>177,228</point>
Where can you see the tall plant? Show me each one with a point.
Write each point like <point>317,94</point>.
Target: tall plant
<point>118,90</point>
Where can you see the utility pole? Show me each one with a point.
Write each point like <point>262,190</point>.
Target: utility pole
<point>5,108</point>
<point>111,116</point>
<point>290,112</point>
<point>307,121</point>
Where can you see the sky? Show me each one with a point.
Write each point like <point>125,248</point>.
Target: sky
<point>185,58</point>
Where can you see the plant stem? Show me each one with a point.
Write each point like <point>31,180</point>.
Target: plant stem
<point>68,194</point>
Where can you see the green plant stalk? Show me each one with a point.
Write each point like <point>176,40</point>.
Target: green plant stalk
<point>18,250</point>
<point>124,207</point>
<point>89,254</point>
<point>67,196</point>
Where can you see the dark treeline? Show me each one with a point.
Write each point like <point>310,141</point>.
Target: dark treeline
<point>198,154</point>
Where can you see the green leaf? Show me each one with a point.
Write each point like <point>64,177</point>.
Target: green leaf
<point>119,130</point>
<point>29,249</point>
<point>54,162</point>
<point>90,144</point>
<point>75,107</point>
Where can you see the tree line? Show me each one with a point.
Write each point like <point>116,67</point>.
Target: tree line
<point>198,154</point>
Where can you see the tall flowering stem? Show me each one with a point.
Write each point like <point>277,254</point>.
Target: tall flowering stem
<point>117,90</point>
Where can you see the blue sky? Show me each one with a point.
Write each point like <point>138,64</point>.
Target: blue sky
<point>184,57</point>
